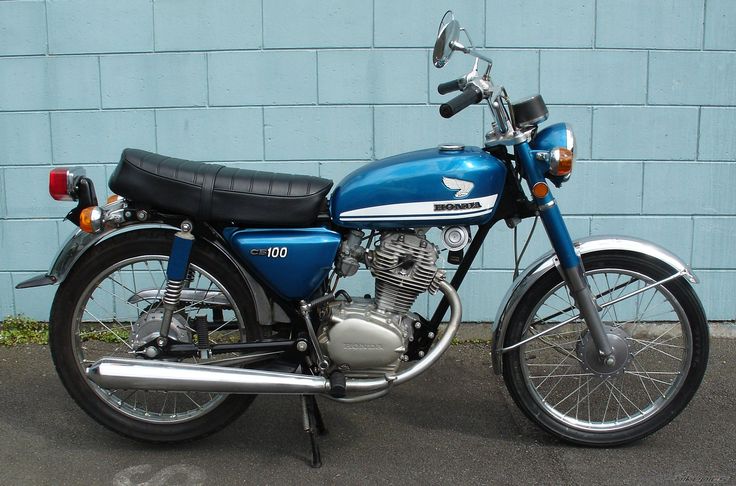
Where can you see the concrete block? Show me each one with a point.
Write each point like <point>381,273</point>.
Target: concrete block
<point>191,25</point>
<point>372,76</point>
<point>27,192</point>
<point>27,245</point>
<point>658,24</point>
<point>407,128</point>
<point>580,119</point>
<point>498,249</point>
<point>640,133</point>
<point>673,233</point>
<point>602,188</point>
<point>699,188</point>
<point>713,246</point>
<point>25,138</point>
<point>263,78</point>
<point>528,23</point>
<point>517,70</point>
<point>593,77</point>
<point>716,290</point>
<point>100,136</point>
<point>154,80</point>
<point>211,135</point>
<point>720,16</point>
<point>414,23</point>
<point>692,78</point>
<point>319,133</point>
<point>337,171</point>
<point>22,28</point>
<point>329,23</point>
<point>34,302</point>
<point>82,26</point>
<point>481,294</point>
<point>717,141</point>
<point>49,83</point>
<point>7,307</point>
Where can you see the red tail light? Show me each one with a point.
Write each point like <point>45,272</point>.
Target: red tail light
<point>62,182</point>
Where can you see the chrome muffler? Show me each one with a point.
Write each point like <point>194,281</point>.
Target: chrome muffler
<point>138,374</point>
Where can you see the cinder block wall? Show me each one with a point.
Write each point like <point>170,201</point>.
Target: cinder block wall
<point>323,87</point>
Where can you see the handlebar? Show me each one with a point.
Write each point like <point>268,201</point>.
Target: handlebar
<point>470,95</point>
<point>450,86</point>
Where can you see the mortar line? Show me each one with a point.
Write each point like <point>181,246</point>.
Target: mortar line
<point>153,24</point>
<point>702,37</point>
<point>46,20</point>
<point>263,32</point>
<point>263,132</point>
<point>99,77</point>
<point>697,145</point>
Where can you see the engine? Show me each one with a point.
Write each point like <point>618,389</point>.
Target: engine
<point>369,336</point>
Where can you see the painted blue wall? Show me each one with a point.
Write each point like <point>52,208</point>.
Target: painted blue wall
<point>322,87</point>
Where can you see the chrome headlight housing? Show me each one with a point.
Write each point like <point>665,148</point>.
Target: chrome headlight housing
<point>556,146</point>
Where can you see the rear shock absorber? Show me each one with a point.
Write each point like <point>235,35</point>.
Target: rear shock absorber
<point>176,276</point>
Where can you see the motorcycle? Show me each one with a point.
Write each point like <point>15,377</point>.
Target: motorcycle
<point>197,286</point>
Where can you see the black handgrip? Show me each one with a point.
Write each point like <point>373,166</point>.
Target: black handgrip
<point>470,95</point>
<point>450,86</point>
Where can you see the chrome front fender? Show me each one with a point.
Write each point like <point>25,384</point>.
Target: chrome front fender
<point>80,242</point>
<point>548,262</point>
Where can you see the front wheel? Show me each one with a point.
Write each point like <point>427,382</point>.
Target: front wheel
<point>111,303</point>
<point>660,340</point>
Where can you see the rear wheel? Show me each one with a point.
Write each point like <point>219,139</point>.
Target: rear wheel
<point>111,303</point>
<point>660,340</point>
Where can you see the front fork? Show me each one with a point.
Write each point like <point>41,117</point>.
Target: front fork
<point>571,266</point>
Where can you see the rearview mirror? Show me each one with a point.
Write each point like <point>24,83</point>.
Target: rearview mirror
<point>447,34</point>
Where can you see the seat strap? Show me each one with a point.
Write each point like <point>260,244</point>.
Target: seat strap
<point>208,188</point>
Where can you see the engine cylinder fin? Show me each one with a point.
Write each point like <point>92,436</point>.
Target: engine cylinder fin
<point>404,265</point>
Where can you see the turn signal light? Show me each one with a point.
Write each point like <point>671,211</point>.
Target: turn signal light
<point>560,161</point>
<point>113,198</point>
<point>90,219</point>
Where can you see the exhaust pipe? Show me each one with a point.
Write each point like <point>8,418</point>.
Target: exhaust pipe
<point>136,374</point>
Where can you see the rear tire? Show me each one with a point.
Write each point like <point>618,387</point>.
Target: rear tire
<point>91,318</point>
<point>561,388</point>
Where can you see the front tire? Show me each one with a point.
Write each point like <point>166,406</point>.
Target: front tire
<point>555,379</point>
<point>92,317</point>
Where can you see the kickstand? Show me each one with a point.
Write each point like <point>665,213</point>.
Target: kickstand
<point>312,419</point>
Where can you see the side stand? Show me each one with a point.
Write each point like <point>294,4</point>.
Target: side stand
<point>312,421</point>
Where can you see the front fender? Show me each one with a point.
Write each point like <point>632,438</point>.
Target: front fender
<point>80,242</point>
<point>548,262</point>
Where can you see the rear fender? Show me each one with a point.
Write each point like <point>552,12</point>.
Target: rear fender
<point>81,242</point>
<point>548,262</point>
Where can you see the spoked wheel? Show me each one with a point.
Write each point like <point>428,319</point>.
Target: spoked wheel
<point>660,341</point>
<point>110,306</point>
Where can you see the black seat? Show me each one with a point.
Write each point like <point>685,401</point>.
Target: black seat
<point>213,192</point>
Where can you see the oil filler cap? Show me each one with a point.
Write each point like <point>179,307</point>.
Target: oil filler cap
<point>451,147</point>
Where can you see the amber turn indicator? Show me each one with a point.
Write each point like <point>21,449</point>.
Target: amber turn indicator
<point>540,190</point>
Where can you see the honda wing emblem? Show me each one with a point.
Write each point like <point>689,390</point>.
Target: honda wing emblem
<point>462,187</point>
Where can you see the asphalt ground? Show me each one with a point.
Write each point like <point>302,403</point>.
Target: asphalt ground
<point>453,425</point>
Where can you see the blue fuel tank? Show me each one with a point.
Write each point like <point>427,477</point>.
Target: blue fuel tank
<point>432,187</point>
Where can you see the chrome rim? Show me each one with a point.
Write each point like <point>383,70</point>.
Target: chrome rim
<point>656,331</point>
<point>103,326</point>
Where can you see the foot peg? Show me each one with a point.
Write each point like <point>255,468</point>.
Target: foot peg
<point>338,386</point>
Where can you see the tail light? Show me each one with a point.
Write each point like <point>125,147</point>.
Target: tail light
<point>63,182</point>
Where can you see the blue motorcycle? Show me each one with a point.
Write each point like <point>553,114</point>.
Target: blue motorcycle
<point>198,286</point>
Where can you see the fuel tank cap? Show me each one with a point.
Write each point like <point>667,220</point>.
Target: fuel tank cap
<point>451,147</point>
